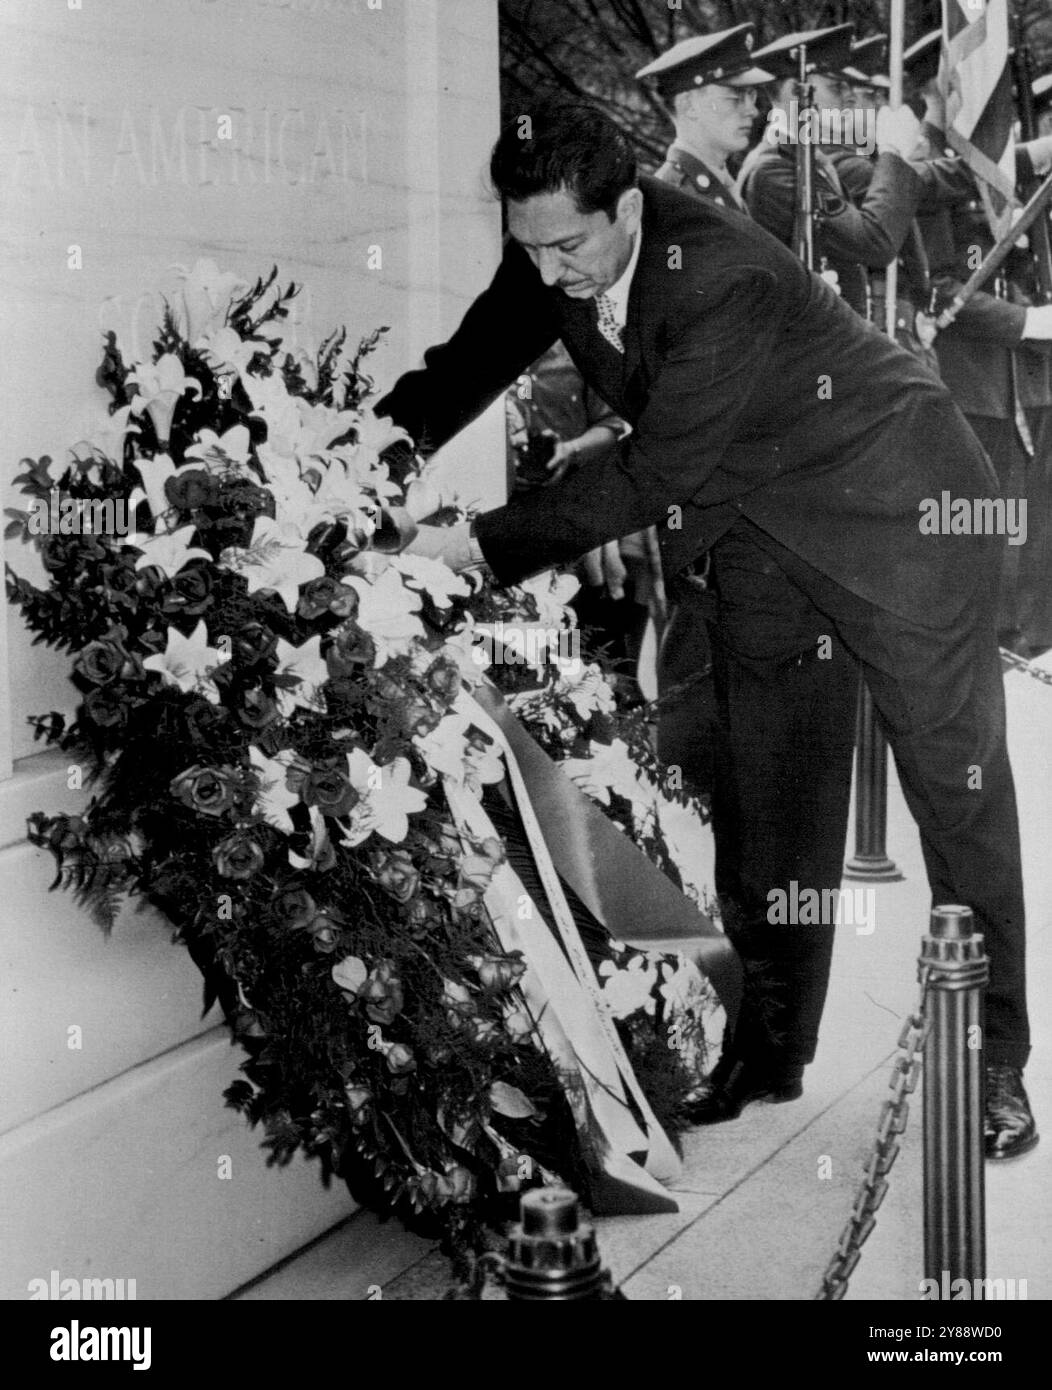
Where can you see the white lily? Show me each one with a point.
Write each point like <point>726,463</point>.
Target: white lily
<point>207,296</point>
<point>585,687</point>
<point>276,408</point>
<point>162,384</point>
<point>387,799</point>
<point>218,452</point>
<point>188,662</point>
<point>447,750</point>
<point>629,988</point>
<point>551,592</point>
<point>433,576</point>
<point>226,350</point>
<point>609,768</point>
<point>274,559</point>
<point>375,433</point>
<point>319,425</point>
<point>306,666</point>
<point>274,797</point>
<point>387,610</point>
<point>155,473</point>
<point>168,551</point>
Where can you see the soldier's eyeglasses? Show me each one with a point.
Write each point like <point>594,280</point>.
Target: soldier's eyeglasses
<point>738,96</point>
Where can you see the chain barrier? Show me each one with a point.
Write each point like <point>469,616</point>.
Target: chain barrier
<point>894,1117</point>
<point>1020,663</point>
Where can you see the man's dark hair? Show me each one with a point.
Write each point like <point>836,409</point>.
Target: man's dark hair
<point>564,145</point>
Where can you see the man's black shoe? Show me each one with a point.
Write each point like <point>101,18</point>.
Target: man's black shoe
<point>1008,1122</point>
<point>731,1086</point>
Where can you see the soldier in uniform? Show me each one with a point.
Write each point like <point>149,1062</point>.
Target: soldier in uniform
<point>863,220</point>
<point>995,358</point>
<point>709,86</point>
<point>868,70</point>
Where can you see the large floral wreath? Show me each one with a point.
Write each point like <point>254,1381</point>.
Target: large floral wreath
<point>267,706</point>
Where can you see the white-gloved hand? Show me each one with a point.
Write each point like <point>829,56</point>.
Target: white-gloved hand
<point>898,132</point>
<point>1038,325</point>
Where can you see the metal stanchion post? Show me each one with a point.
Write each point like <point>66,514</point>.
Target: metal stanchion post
<point>870,860</point>
<point>552,1253</point>
<point>955,963</point>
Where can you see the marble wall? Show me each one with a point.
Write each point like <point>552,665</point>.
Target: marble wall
<point>137,135</point>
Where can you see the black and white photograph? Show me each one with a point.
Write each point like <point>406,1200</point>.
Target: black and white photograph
<point>526,678</point>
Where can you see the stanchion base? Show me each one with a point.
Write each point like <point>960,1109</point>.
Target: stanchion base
<point>873,868</point>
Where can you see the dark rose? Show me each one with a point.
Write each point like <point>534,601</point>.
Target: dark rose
<point>330,790</point>
<point>120,580</point>
<point>295,908</point>
<point>460,1184</point>
<point>359,1099</point>
<point>443,677</point>
<point>400,1059</point>
<point>394,872</point>
<point>101,662</point>
<point>420,719</point>
<point>422,917</point>
<point>106,708</point>
<point>255,643</point>
<point>327,595</point>
<point>65,832</point>
<point>499,973</point>
<point>203,719</point>
<point>351,650</point>
<point>210,790</point>
<point>258,710</point>
<point>382,993</point>
<point>191,488</point>
<point>324,931</point>
<point>239,856</point>
<point>191,591</point>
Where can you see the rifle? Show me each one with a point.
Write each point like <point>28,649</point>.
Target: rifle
<point>1035,209</point>
<point>1040,239</point>
<point>804,215</point>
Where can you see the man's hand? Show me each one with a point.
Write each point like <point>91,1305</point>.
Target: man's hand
<point>565,457</point>
<point>898,132</point>
<point>447,543</point>
<point>604,567</point>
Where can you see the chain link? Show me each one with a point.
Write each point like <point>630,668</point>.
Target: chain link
<point>1020,663</point>
<point>894,1116</point>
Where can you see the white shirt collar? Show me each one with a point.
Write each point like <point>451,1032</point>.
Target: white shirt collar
<point>619,291</point>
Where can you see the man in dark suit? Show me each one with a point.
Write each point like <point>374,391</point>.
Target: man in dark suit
<point>800,446</point>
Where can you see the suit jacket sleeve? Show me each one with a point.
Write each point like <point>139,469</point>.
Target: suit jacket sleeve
<point>869,234</point>
<point>506,328</point>
<point>714,352</point>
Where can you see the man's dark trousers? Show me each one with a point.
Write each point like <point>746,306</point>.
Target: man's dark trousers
<point>788,644</point>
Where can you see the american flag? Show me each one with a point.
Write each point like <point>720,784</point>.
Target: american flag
<point>976,83</point>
